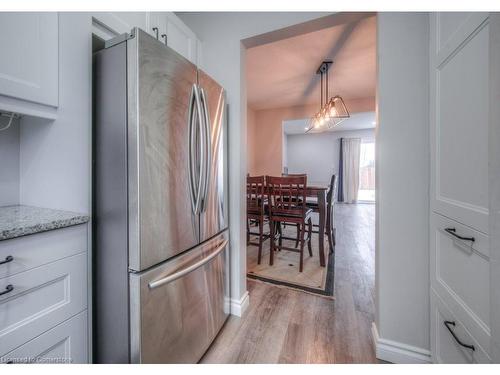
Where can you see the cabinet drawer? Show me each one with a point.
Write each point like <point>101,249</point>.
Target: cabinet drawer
<point>65,343</point>
<point>40,299</point>
<point>37,249</point>
<point>460,274</point>
<point>444,346</point>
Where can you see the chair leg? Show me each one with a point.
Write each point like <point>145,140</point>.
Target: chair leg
<point>261,228</point>
<point>271,255</point>
<point>329,231</point>
<point>280,231</point>
<point>309,236</point>
<point>298,234</point>
<point>303,229</point>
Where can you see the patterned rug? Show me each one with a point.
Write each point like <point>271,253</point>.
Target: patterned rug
<point>285,271</point>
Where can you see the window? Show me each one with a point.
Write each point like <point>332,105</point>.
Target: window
<point>366,190</point>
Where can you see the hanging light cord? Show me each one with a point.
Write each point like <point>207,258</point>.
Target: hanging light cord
<point>10,122</point>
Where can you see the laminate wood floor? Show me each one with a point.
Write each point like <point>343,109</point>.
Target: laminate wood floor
<point>287,326</point>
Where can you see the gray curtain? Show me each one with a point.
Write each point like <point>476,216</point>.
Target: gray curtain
<point>340,177</point>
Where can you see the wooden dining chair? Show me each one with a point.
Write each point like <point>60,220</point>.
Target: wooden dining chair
<point>297,239</point>
<point>330,200</point>
<point>256,210</point>
<point>287,204</point>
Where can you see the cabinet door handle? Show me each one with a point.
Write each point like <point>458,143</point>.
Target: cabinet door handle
<point>448,323</point>
<point>8,258</point>
<point>155,29</point>
<point>164,36</point>
<point>453,231</point>
<point>9,288</point>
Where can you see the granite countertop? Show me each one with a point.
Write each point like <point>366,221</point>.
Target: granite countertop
<point>19,220</point>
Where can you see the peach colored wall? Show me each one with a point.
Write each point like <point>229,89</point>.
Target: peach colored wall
<point>265,151</point>
<point>251,132</point>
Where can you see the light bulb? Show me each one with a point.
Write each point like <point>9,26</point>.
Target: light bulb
<point>333,111</point>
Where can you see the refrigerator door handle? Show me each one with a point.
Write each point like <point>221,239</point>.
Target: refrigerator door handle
<point>191,161</point>
<point>207,139</point>
<point>178,274</point>
<point>195,175</point>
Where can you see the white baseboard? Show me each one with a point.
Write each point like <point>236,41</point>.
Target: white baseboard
<point>396,352</point>
<point>238,306</point>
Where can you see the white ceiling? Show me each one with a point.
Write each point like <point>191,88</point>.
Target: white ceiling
<point>357,121</point>
<point>282,73</point>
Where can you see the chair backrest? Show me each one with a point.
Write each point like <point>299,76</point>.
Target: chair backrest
<point>332,192</point>
<point>255,194</point>
<point>287,195</point>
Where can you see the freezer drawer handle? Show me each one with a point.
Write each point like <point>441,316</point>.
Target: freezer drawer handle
<point>8,258</point>
<point>448,323</point>
<point>185,271</point>
<point>9,288</point>
<point>453,231</point>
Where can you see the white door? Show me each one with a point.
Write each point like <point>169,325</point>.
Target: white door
<point>459,75</point>
<point>29,63</point>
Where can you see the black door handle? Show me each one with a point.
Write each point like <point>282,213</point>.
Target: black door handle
<point>453,231</point>
<point>448,323</point>
<point>8,258</point>
<point>9,288</point>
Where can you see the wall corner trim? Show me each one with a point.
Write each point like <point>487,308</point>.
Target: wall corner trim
<point>238,306</point>
<point>396,352</point>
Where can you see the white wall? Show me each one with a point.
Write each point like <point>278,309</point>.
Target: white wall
<point>318,154</point>
<point>55,156</point>
<point>494,185</point>
<point>9,162</point>
<point>224,59</point>
<point>402,164</point>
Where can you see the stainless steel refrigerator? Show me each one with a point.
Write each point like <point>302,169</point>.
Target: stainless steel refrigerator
<point>160,197</point>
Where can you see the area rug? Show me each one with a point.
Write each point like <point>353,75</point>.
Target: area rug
<point>285,270</point>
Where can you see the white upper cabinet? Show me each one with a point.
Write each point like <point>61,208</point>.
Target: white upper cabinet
<point>121,22</point>
<point>158,25</point>
<point>181,39</point>
<point>459,117</point>
<point>29,63</point>
<point>162,25</point>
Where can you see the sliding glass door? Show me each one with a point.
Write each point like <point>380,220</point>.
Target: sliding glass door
<point>366,192</point>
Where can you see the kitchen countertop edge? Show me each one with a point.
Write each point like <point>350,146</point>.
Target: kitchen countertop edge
<point>40,224</point>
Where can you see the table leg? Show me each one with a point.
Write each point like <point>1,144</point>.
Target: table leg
<point>321,229</point>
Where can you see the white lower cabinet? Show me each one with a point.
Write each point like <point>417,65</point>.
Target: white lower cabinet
<point>43,288</point>
<point>451,341</point>
<point>65,343</point>
<point>460,273</point>
<point>41,298</point>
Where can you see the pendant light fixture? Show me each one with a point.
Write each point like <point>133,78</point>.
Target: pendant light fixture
<point>332,109</point>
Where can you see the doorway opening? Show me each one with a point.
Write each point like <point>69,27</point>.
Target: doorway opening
<point>280,101</point>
